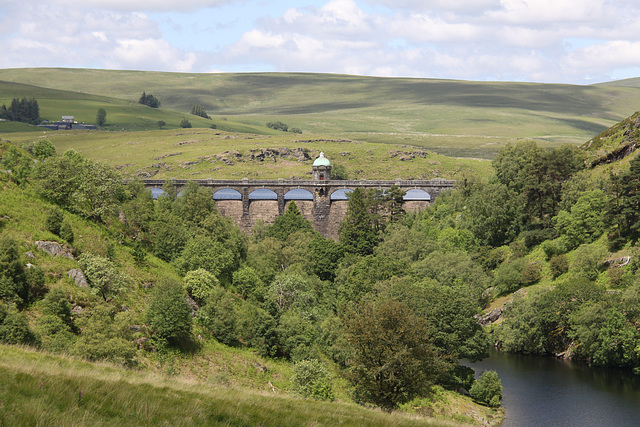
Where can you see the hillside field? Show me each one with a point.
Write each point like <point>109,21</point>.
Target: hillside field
<point>454,118</point>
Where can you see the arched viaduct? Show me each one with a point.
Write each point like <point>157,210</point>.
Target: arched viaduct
<point>323,202</point>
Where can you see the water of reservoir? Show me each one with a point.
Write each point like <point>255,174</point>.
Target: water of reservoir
<point>544,391</point>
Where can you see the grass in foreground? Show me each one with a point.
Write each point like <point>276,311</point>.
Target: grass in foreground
<point>40,389</point>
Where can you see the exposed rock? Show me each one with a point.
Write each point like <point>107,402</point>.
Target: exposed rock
<point>260,367</point>
<point>168,155</point>
<point>194,305</point>
<point>76,309</point>
<point>54,249</point>
<point>617,262</point>
<point>78,276</point>
<point>29,255</point>
<point>490,317</point>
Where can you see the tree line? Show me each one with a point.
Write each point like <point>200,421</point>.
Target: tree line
<point>21,110</point>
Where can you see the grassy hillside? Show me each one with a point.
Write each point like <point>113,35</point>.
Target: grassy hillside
<point>459,118</point>
<point>37,388</point>
<point>122,114</point>
<point>206,153</point>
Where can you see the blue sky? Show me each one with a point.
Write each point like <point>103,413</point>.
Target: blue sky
<point>564,41</point>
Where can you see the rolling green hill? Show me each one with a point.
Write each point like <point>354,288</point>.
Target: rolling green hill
<point>456,118</point>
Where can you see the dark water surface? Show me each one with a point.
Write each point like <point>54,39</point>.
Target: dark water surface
<point>544,391</point>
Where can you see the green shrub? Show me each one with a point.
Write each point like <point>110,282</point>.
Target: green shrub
<point>56,303</point>
<point>558,264</point>
<point>168,315</point>
<point>14,326</point>
<point>104,338</point>
<point>311,379</point>
<point>487,390</point>
<point>185,123</point>
<point>103,276</point>
<point>66,232</point>
<point>219,316</point>
<point>53,222</point>
<point>55,334</point>
<point>199,284</point>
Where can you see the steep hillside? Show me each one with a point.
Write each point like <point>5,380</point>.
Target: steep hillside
<point>458,118</point>
<point>615,143</point>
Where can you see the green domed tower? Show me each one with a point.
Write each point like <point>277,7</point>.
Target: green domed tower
<point>321,168</point>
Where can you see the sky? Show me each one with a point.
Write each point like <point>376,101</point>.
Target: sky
<point>550,41</point>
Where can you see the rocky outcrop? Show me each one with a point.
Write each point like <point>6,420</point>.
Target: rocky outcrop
<point>54,249</point>
<point>78,276</point>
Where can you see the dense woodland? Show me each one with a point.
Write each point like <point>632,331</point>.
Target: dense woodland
<point>393,304</point>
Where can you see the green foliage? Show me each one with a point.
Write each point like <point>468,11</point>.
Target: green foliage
<point>295,130</point>
<point>66,232</point>
<point>170,236</point>
<point>185,123</point>
<point>35,281</point>
<point>199,110</point>
<point>219,316</point>
<point>213,256</point>
<point>494,214</point>
<point>80,185</point>
<point>289,222</point>
<point>53,222</point>
<point>168,315</point>
<point>105,336</point>
<point>311,379</point>
<point>339,172</point>
<point>56,303</point>
<point>247,281</point>
<point>149,100</point>
<point>393,358</point>
<point>25,110</point>
<point>101,117</point>
<point>356,233</point>
<point>18,164</point>
<point>199,283</point>
<point>104,277</point>
<point>558,264</point>
<point>161,123</point>
<point>278,125</point>
<point>55,334</point>
<point>487,390</point>
<point>13,279</point>
<point>41,149</point>
<point>537,175</point>
<point>585,222</point>
<point>257,329</point>
<point>14,326</point>
<point>623,208</point>
<point>589,261</point>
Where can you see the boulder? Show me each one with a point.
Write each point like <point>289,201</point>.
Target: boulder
<point>78,276</point>
<point>52,248</point>
<point>490,317</point>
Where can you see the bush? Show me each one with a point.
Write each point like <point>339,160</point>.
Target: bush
<point>53,222</point>
<point>487,390</point>
<point>278,125</point>
<point>104,338</point>
<point>66,232</point>
<point>219,316</point>
<point>56,303</point>
<point>199,284</point>
<point>14,326</point>
<point>168,315</point>
<point>185,123</point>
<point>103,276</point>
<point>558,264</point>
<point>311,379</point>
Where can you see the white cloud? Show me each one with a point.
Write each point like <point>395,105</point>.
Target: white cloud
<point>140,5</point>
<point>539,40</point>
